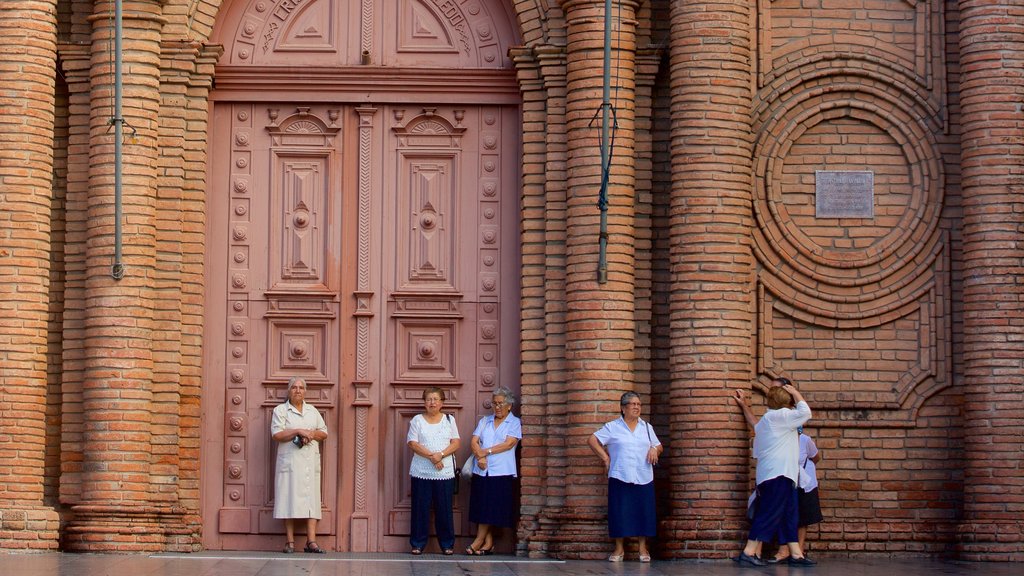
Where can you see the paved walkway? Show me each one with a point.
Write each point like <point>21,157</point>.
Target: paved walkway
<point>338,564</point>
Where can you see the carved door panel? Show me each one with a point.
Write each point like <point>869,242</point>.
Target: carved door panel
<point>448,169</point>
<point>277,207</point>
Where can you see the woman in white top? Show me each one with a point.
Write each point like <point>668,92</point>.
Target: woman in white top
<point>492,497</point>
<point>298,428</point>
<point>629,449</point>
<point>777,449</point>
<point>433,438</point>
<point>808,503</point>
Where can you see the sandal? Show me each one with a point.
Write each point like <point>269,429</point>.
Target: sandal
<point>448,552</point>
<point>615,558</point>
<point>416,551</point>
<point>313,548</point>
<point>470,551</point>
<point>289,548</point>
<point>645,557</point>
<point>486,551</point>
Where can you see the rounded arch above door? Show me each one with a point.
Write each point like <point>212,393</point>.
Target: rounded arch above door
<point>446,34</point>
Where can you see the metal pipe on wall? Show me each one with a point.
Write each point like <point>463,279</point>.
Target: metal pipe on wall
<point>606,104</point>
<point>117,271</point>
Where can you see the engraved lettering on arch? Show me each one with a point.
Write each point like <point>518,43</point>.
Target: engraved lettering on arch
<point>451,12</point>
<point>286,8</point>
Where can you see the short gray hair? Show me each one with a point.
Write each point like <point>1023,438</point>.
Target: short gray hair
<point>293,380</point>
<point>508,395</point>
<point>624,400</point>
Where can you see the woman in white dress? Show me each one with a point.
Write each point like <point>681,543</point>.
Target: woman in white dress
<point>433,438</point>
<point>298,428</point>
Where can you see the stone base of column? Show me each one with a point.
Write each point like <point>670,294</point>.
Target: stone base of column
<point>95,528</point>
<point>702,538</point>
<point>570,534</point>
<point>32,528</point>
<point>992,541</point>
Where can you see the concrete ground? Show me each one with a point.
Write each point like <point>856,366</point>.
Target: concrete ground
<point>338,564</point>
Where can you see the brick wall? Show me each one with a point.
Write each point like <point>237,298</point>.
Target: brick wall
<point>901,328</point>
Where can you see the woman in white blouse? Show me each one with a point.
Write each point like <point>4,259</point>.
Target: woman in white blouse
<point>777,449</point>
<point>629,449</point>
<point>492,499</point>
<point>298,429</point>
<point>433,438</point>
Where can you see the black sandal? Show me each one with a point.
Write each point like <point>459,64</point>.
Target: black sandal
<point>289,548</point>
<point>313,548</point>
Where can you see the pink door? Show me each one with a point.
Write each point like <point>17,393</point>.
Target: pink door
<point>362,209</point>
<point>372,250</point>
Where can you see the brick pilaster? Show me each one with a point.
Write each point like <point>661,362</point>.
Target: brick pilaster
<point>541,72</point>
<point>712,304</point>
<point>992,149</point>
<point>117,509</point>
<point>28,30</point>
<point>600,319</point>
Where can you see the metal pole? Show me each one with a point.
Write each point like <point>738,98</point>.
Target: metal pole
<point>606,104</point>
<point>117,270</point>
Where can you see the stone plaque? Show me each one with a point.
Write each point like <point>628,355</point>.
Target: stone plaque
<point>844,194</point>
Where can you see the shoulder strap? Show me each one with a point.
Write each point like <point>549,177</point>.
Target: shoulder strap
<point>454,463</point>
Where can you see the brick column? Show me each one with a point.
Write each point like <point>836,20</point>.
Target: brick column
<point>28,48</point>
<point>74,60</point>
<point>116,509</point>
<point>712,304</point>
<point>535,447</point>
<point>601,327</point>
<point>992,148</point>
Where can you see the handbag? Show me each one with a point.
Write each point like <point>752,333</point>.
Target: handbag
<point>455,465</point>
<point>467,468</point>
<point>752,505</point>
<point>458,475</point>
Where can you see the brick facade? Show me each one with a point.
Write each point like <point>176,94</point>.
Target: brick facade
<point>903,328</point>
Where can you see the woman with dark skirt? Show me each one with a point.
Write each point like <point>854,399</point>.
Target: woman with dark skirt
<point>629,449</point>
<point>433,438</point>
<point>493,488</point>
<point>777,449</point>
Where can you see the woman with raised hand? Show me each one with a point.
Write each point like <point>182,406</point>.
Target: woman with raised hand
<point>777,449</point>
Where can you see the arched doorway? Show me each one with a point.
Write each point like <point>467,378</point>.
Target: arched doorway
<point>362,232</point>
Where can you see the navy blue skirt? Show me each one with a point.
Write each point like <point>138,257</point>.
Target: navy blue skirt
<point>631,509</point>
<point>492,500</point>
<point>776,516</point>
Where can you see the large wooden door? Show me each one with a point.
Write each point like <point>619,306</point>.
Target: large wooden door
<point>361,222</point>
<point>371,250</point>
